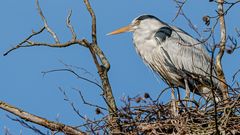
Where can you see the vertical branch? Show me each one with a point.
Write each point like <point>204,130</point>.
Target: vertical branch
<point>94,27</point>
<point>68,22</point>
<point>103,68</point>
<point>98,51</point>
<point>220,54</point>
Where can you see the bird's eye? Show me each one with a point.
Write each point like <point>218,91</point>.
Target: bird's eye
<point>137,22</point>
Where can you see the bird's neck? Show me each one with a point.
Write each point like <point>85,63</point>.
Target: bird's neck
<point>144,42</point>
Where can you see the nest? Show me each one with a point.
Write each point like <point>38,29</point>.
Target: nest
<point>158,119</point>
<point>144,116</point>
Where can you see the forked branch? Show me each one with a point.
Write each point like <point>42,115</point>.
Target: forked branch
<point>54,35</point>
<point>103,66</point>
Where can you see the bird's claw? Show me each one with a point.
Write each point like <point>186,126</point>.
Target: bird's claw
<point>186,98</point>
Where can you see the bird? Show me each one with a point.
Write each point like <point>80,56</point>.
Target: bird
<point>179,59</point>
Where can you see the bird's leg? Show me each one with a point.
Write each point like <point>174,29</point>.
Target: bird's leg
<point>173,99</point>
<point>187,96</point>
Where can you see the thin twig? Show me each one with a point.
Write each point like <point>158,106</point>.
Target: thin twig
<point>87,103</point>
<point>235,74</point>
<point>74,73</point>
<point>181,12</point>
<point>66,98</point>
<point>68,21</point>
<point>237,31</point>
<point>212,89</point>
<point>71,103</point>
<point>180,6</point>
<point>46,24</point>
<point>25,124</point>
<point>33,44</point>
<point>69,66</point>
<point>25,40</point>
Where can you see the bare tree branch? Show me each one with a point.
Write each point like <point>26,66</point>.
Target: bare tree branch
<point>55,126</point>
<point>72,67</point>
<point>32,44</point>
<point>235,74</point>
<point>46,24</point>
<point>25,40</point>
<point>25,124</point>
<point>96,48</point>
<point>71,103</point>
<point>87,103</point>
<point>102,66</point>
<point>74,36</point>
<point>181,12</point>
<point>102,71</point>
<point>74,73</point>
<point>220,54</point>
<point>179,6</point>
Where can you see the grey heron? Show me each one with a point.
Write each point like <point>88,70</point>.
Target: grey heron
<point>179,59</point>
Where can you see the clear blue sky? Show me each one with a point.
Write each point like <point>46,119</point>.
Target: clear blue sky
<point>23,84</point>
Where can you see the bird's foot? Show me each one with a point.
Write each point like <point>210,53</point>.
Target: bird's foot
<point>187,98</point>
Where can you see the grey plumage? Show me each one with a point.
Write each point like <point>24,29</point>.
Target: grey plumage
<point>177,57</point>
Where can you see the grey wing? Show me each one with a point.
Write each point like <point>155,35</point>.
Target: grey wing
<point>194,57</point>
<point>179,56</point>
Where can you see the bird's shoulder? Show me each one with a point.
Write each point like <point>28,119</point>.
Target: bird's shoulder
<point>163,33</point>
<point>172,33</point>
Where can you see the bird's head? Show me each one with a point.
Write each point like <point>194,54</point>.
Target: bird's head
<point>141,22</point>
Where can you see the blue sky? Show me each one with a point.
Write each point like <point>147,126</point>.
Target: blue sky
<point>23,85</point>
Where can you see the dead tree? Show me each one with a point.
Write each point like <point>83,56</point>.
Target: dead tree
<point>98,57</point>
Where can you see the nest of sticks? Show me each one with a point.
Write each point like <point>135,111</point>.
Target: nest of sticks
<point>143,115</point>
<point>155,118</point>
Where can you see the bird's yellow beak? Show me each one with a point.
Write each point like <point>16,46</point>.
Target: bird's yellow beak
<point>121,30</point>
